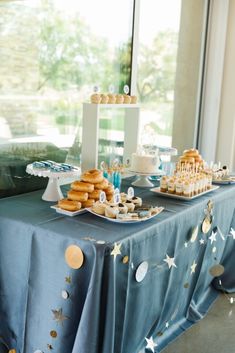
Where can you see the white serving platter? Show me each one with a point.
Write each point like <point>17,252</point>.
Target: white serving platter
<point>68,213</point>
<point>114,220</point>
<point>185,198</point>
<point>230,180</point>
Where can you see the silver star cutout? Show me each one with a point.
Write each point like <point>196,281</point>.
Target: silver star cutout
<point>232,233</point>
<point>193,267</point>
<point>185,244</point>
<point>116,250</point>
<point>170,261</point>
<point>213,237</point>
<point>150,343</point>
<point>202,241</point>
<point>167,324</point>
<point>220,233</point>
<point>58,316</point>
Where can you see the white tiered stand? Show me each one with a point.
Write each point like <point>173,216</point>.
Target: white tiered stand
<point>90,131</point>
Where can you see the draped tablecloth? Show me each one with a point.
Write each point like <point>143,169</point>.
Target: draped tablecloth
<point>101,307</point>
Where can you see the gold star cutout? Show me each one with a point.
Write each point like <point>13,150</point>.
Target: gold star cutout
<point>68,279</point>
<point>170,261</point>
<point>116,250</point>
<point>150,344</point>
<point>193,267</point>
<point>58,316</point>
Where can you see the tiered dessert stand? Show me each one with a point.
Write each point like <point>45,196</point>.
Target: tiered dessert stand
<point>53,191</point>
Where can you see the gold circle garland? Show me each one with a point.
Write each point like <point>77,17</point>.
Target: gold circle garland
<point>74,257</point>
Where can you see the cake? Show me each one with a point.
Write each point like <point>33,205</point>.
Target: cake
<point>144,163</point>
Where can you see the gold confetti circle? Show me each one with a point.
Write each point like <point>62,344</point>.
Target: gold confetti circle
<point>74,256</point>
<point>206,225</point>
<point>53,334</point>
<point>160,333</point>
<point>216,270</point>
<point>12,351</point>
<point>186,285</point>
<point>125,259</point>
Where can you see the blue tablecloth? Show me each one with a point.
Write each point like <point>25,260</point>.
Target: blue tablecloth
<point>100,307</point>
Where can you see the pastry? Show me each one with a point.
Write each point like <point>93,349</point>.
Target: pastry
<point>124,196</point>
<point>82,186</point>
<point>111,211</point>
<point>69,205</point>
<point>133,99</point>
<point>122,208</point>
<point>99,208</point>
<point>104,98</point>
<point>119,99</point>
<point>93,176</point>
<point>88,203</point>
<point>163,184</point>
<point>110,189</point>
<point>103,185</point>
<point>127,99</point>
<point>130,205</point>
<point>95,194</point>
<point>112,98</point>
<point>186,189</point>
<point>77,195</point>
<point>171,186</point>
<point>95,98</point>
<point>179,187</point>
<point>137,201</point>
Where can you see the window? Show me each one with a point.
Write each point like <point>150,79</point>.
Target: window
<point>172,36</point>
<point>53,52</point>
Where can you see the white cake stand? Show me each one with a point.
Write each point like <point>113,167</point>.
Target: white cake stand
<point>143,178</point>
<point>53,191</point>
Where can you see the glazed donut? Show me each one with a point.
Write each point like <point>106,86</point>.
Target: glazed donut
<point>69,205</point>
<point>187,160</point>
<point>88,203</point>
<point>110,189</point>
<point>103,185</point>
<point>95,194</point>
<point>93,176</point>
<point>77,195</point>
<point>82,186</point>
<point>191,153</point>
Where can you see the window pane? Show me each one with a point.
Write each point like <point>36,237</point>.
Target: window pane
<point>52,53</point>
<point>169,64</point>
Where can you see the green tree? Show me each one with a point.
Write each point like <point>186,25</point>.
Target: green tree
<point>157,65</point>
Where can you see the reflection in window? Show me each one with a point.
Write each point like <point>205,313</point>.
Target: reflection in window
<point>53,52</point>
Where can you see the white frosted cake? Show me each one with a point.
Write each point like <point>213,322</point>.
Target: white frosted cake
<point>146,163</point>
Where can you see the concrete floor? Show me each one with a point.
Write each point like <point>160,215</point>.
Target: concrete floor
<point>214,334</point>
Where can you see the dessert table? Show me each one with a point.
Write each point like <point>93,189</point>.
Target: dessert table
<point>86,285</point>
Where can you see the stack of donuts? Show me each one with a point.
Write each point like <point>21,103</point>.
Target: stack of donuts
<point>85,192</point>
<point>192,156</point>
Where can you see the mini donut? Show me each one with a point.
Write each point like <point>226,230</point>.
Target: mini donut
<point>109,197</point>
<point>110,189</point>
<point>88,203</point>
<point>93,176</point>
<point>103,185</point>
<point>95,194</point>
<point>82,186</point>
<point>69,205</point>
<point>112,98</point>
<point>77,195</point>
